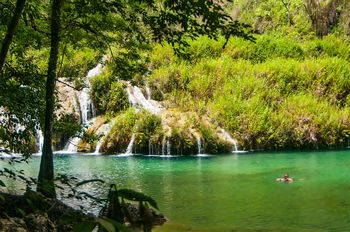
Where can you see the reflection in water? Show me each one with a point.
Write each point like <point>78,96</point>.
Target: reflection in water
<point>225,193</point>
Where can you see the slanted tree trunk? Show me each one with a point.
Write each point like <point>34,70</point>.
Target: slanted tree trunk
<point>11,31</point>
<point>46,172</point>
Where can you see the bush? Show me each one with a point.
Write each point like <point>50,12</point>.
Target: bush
<point>119,136</point>
<point>65,126</point>
<point>108,95</point>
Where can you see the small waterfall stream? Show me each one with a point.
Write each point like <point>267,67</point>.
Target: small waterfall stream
<point>107,128</point>
<point>199,145</point>
<point>131,145</point>
<point>168,147</point>
<point>227,137</point>
<point>164,145</point>
<point>39,137</point>
<point>72,145</point>
<point>148,91</point>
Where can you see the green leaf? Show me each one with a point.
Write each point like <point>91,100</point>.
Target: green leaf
<point>2,198</point>
<point>136,196</point>
<point>106,224</point>
<point>84,227</point>
<point>2,184</point>
<point>89,181</point>
<point>21,211</point>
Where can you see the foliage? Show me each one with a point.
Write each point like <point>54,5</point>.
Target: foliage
<point>304,17</point>
<point>109,97</point>
<point>148,127</point>
<point>120,134</point>
<point>77,61</point>
<point>65,126</point>
<point>18,122</point>
<point>245,90</point>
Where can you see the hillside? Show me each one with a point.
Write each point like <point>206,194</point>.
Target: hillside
<point>287,89</point>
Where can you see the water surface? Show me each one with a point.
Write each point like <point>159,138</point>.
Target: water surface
<point>230,192</point>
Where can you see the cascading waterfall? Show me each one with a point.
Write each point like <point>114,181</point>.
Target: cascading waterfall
<point>98,146</point>
<point>138,100</point>
<point>149,147</point>
<point>131,144</point>
<point>86,108</point>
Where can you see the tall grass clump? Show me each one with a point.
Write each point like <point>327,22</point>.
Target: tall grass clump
<point>266,47</point>
<point>149,130</point>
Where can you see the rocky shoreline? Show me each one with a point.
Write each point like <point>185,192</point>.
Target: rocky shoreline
<point>32,212</point>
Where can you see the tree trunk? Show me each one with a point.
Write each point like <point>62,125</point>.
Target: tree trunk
<point>11,31</point>
<point>46,172</point>
<point>323,18</point>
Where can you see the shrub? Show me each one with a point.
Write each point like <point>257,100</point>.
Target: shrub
<point>119,136</point>
<point>108,95</point>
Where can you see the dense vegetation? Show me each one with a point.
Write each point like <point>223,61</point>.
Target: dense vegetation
<point>295,97</point>
<point>287,90</point>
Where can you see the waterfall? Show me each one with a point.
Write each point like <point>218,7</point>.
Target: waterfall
<point>163,146</point>
<point>72,145</point>
<point>199,145</point>
<point>235,147</point>
<point>98,145</point>
<point>227,137</point>
<point>86,108</point>
<point>39,140</point>
<point>138,100</point>
<point>149,147</point>
<point>168,147</point>
<point>95,71</point>
<point>107,128</point>
<point>131,145</point>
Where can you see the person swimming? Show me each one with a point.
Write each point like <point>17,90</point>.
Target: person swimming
<point>285,178</point>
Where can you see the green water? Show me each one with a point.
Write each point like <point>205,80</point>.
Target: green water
<point>231,192</point>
